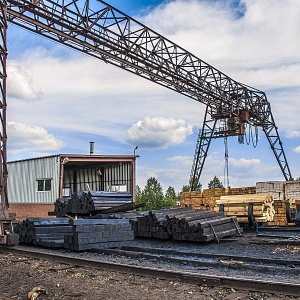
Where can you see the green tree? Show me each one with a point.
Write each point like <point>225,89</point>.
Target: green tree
<point>153,195</point>
<point>138,195</point>
<point>185,188</point>
<point>170,197</point>
<point>215,183</point>
<point>198,187</point>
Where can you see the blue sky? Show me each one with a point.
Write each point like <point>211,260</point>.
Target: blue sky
<point>59,99</point>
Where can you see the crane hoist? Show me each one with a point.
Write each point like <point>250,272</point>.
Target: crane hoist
<point>97,29</point>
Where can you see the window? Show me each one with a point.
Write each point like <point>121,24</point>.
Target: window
<point>66,192</point>
<point>43,185</point>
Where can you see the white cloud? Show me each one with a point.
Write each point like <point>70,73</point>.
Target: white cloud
<point>95,97</point>
<point>212,31</point>
<point>283,75</point>
<point>297,149</point>
<point>293,134</point>
<point>244,163</point>
<point>158,132</point>
<point>20,84</point>
<point>24,137</point>
<point>184,161</point>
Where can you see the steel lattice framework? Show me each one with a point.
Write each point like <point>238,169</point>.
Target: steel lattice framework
<point>3,137</point>
<point>115,38</point>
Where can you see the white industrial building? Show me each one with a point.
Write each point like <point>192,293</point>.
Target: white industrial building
<point>45,179</point>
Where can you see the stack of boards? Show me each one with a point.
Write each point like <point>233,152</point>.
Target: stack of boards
<point>237,205</point>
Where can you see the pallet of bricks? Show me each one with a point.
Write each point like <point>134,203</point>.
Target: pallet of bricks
<point>199,199</point>
<point>237,205</point>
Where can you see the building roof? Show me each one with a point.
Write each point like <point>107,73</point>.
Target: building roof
<point>86,158</point>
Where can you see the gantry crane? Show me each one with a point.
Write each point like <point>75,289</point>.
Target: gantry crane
<point>99,30</point>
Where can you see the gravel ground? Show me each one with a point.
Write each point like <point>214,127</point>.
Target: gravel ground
<point>20,274</point>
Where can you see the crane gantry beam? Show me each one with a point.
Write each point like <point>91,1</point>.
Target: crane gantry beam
<point>113,37</point>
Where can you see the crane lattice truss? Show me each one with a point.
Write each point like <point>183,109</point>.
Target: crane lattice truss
<point>99,30</point>
<point>3,137</point>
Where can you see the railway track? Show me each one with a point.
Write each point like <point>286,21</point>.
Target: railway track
<point>187,267</point>
<point>208,260</point>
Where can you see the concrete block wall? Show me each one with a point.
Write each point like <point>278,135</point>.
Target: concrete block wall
<point>292,190</point>
<point>274,188</point>
<point>280,190</point>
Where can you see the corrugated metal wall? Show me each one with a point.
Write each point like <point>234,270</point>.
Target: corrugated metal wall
<point>115,174</point>
<point>22,180</point>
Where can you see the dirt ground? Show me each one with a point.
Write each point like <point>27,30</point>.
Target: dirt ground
<point>19,275</point>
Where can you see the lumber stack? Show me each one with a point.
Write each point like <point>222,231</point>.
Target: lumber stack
<point>185,224</point>
<point>90,202</point>
<point>237,205</point>
<point>98,234</point>
<point>280,209</point>
<point>43,231</point>
<point>208,197</point>
<point>197,200</point>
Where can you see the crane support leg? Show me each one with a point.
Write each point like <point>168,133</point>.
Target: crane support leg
<point>203,142</point>
<point>3,137</point>
<point>272,135</point>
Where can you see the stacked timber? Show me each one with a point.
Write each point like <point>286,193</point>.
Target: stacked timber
<point>43,231</point>
<point>98,234</point>
<point>196,200</point>
<point>208,197</point>
<point>90,202</point>
<point>185,224</point>
<point>280,218</point>
<point>237,205</point>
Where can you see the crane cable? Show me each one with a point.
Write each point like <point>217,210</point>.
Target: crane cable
<point>251,137</point>
<point>226,177</point>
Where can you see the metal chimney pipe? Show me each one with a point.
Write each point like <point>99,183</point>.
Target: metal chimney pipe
<point>92,148</point>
